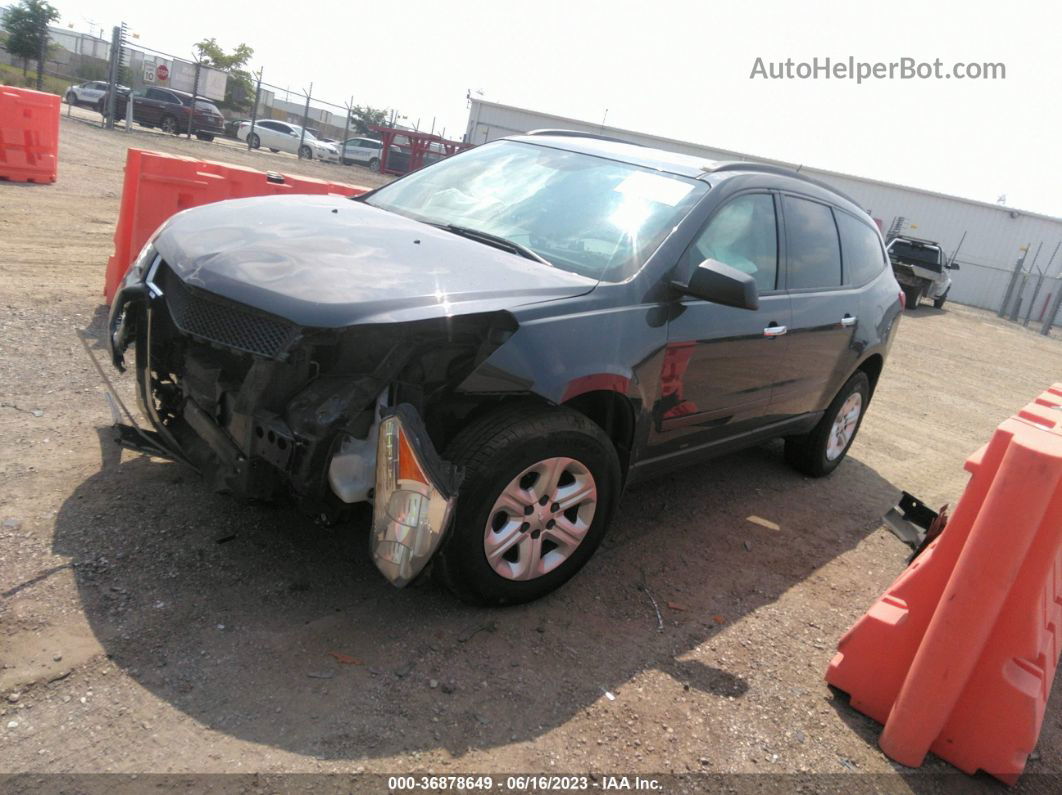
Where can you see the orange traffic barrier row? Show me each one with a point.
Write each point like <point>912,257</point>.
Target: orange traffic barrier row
<point>958,656</point>
<point>29,135</point>
<point>157,186</point>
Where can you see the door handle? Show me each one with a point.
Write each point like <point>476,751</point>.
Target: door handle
<point>774,331</point>
<point>848,320</point>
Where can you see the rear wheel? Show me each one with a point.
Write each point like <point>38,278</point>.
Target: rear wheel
<point>204,136</point>
<point>539,488</point>
<point>274,151</point>
<point>168,124</point>
<point>71,98</point>
<point>913,294</point>
<point>820,452</point>
<point>374,164</point>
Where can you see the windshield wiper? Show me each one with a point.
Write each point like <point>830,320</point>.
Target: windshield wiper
<point>496,241</point>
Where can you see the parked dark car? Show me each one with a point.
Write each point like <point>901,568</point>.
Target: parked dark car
<point>169,109</point>
<point>491,349</point>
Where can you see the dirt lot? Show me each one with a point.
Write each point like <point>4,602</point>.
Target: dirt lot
<point>148,625</point>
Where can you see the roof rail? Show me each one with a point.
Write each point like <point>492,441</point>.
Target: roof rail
<point>581,134</point>
<point>783,171</point>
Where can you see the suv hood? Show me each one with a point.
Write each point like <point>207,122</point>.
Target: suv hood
<point>327,261</point>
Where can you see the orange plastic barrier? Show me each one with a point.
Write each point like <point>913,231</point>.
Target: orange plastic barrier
<point>958,656</point>
<point>29,135</point>
<point>157,185</point>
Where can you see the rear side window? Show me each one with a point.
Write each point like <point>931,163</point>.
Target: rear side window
<point>861,250</point>
<point>814,252</point>
<point>743,234</point>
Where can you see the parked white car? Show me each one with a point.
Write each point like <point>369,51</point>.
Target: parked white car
<point>280,136</point>
<point>90,93</point>
<point>363,152</point>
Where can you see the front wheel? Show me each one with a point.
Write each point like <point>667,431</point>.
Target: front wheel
<point>305,153</point>
<point>819,452</point>
<point>938,303</point>
<point>539,488</point>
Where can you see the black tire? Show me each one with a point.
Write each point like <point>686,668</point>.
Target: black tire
<point>374,164</point>
<point>254,140</point>
<point>913,295</point>
<point>807,453</point>
<point>168,124</point>
<point>494,451</point>
<point>71,98</point>
<point>274,151</point>
<point>204,136</point>
<point>305,152</point>
<point>938,303</point>
<point>347,162</point>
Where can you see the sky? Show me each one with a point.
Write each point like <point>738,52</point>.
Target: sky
<point>680,70</point>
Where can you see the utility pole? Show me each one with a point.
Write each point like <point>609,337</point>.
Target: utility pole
<point>254,110</point>
<point>1013,280</point>
<point>1039,284</point>
<point>195,96</point>
<point>346,132</point>
<point>305,117</point>
<point>1015,303</point>
<point>114,71</point>
<point>1052,310</point>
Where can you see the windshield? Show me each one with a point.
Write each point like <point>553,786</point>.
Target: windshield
<point>590,215</point>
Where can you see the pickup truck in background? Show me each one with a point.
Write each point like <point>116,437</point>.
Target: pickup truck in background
<point>921,268</point>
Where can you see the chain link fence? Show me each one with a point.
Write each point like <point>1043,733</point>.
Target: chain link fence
<point>112,75</point>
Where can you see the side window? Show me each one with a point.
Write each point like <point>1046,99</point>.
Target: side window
<point>267,125</point>
<point>860,249</point>
<point>814,253</point>
<point>153,93</point>
<point>743,234</point>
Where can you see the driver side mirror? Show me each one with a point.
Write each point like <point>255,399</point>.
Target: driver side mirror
<point>720,283</point>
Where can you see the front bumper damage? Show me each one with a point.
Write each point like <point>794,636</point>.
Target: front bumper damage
<point>268,426</point>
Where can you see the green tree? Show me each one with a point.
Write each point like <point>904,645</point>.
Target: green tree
<point>362,117</point>
<point>27,33</point>
<point>239,90</point>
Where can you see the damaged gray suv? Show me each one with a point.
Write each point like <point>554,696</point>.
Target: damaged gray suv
<point>490,349</point>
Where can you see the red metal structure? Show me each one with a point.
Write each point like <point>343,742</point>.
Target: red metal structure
<point>408,150</point>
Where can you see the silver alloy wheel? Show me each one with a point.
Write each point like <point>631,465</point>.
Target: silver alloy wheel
<point>540,519</point>
<point>844,425</point>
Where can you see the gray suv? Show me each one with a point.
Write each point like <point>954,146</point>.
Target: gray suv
<point>492,348</point>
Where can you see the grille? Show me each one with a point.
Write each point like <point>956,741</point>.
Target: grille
<point>224,322</point>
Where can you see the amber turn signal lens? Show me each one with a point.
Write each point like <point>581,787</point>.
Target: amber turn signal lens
<point>408,468</point>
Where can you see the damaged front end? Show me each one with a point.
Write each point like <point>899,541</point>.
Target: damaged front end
<point>266,409</point>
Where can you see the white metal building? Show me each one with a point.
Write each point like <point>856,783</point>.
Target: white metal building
<point>996,236</point>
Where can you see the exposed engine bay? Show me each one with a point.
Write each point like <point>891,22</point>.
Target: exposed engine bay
<point>265,409</point>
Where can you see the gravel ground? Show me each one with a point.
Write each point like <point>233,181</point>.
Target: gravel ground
<point>147,625</point>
